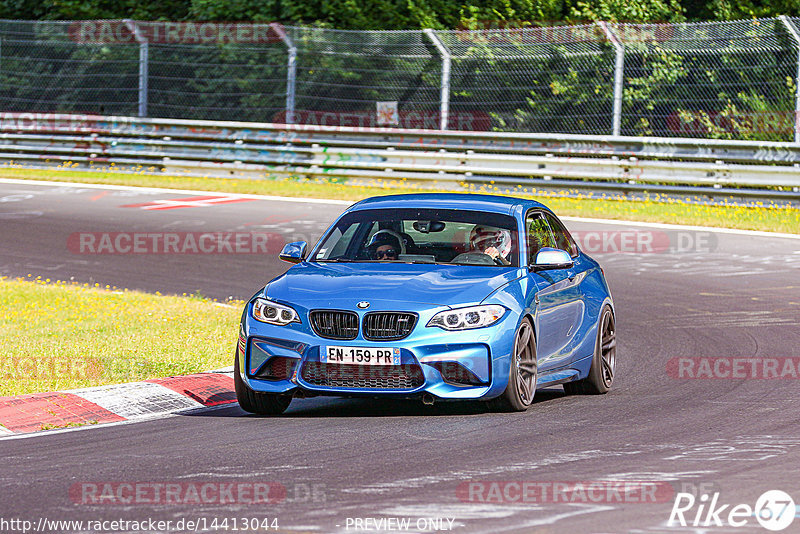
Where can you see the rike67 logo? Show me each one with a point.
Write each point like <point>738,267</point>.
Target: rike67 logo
<point>774,510</point>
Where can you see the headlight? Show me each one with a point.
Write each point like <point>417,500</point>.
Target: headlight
<point>465,318</point>
<point>270,312</point>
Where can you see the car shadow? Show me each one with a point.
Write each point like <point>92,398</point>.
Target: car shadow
<point>327,407</point>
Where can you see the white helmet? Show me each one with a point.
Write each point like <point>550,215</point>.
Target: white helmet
<point>482,237</point>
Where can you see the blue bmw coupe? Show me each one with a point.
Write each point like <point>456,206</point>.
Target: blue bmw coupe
<point>431,296</point>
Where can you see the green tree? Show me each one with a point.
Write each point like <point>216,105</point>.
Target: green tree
<point>94,9</point>
<point>628,11</point>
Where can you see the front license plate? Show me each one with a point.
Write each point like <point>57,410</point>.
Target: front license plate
<point>361,355</point>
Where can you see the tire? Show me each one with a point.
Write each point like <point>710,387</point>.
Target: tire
<point>604,360</point>
<point>523,373</point>
<point>255,402</point>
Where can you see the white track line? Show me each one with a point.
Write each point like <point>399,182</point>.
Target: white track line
<point>754,233</point>
<point>176,191</point>
<point>622,222</point>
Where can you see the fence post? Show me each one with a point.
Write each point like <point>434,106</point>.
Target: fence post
<point>143,64</point>
<point>444,99</point>
<point>291,69</point>
<point>796,38</point>
<point>619,65</point>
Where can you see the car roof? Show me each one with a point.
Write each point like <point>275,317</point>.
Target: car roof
<point>464,201</point>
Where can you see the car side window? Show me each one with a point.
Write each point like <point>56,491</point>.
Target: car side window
<point>538,235</point>
<point>562,236</point>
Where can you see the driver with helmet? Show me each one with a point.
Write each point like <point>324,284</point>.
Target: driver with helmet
<point>495,242</point>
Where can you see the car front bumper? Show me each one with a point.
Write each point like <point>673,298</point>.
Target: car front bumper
<point>457,365</point>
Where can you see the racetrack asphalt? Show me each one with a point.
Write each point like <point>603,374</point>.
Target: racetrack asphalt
<point>698,294</point>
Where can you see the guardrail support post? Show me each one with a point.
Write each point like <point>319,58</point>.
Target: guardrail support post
<point>796,38</point>
<point>291,70</point>
<point>144,53</point>
<point>444,99</point>
<point>619,66</point>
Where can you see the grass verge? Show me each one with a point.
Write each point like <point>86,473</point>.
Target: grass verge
<point>58,335</point>
<point>658,209</point>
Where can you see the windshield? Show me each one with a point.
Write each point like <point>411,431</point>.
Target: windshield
<point>455,237</point>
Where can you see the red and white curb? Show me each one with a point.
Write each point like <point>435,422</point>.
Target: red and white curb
<point>34,412</point>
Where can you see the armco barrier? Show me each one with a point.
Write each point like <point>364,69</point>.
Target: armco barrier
<point>238,148</point>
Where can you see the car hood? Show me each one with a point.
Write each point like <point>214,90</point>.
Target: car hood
<point>387,285</point>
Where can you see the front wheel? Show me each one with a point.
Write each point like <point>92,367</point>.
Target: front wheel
<point>523,375</point>
<point>254,401</point>
<point>604,360</point>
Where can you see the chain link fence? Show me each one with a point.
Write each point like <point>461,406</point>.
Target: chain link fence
<point>727,80</point>
<point>549,79</point>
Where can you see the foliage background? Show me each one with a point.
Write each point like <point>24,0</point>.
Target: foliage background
<point>726,80</point>
<point>397,14</point>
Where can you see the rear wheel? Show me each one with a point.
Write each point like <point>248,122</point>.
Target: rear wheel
<point>604,361</point>
<point>523,375</point>
<point>254,401</point>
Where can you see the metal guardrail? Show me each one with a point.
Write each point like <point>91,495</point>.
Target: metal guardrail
<point>211,148</point>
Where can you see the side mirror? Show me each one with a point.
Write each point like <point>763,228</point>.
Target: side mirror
<point>294,252</point>
<point>552,258</point>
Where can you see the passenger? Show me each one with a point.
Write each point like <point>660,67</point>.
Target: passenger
<point>385,245</point>
<point>496,242</point>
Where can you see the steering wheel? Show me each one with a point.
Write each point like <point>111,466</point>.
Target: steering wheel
<point>477,258</point>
